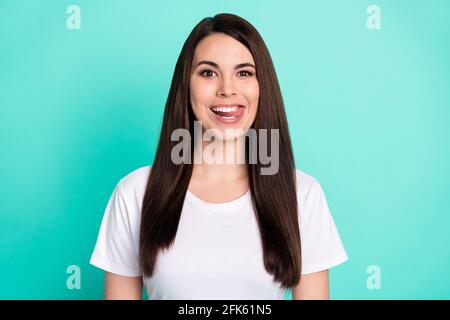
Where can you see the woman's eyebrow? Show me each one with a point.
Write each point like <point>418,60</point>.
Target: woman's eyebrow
<point>215,65</point>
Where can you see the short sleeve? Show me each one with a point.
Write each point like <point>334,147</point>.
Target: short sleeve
<point>116,248</point>
<point>321,244</point>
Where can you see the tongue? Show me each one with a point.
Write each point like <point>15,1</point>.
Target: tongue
<point>229,114</point>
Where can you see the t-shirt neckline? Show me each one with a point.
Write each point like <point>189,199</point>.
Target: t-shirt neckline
<point>218,204</point>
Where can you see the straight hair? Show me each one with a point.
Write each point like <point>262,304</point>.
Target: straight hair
<point>274,197</point>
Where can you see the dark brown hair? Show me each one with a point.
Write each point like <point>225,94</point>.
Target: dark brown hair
<point>274,196</point>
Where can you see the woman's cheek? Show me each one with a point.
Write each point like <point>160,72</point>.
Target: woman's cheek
<point>253,93</point>
<point>204,92</point>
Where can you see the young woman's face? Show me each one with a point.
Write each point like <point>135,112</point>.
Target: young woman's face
<point>224,90</point>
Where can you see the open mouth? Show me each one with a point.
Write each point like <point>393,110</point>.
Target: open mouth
<point>228,113</point>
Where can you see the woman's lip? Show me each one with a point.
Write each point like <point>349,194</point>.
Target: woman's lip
<point>236,116</point>
<point>237,112</point>
<point>227,105</point>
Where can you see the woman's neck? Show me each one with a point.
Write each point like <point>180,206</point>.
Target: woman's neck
<point>221,160</point>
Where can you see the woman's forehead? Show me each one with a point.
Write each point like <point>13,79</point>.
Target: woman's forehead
<point>223,50</point>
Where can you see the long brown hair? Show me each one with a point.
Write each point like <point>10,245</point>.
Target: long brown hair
<point>273,196</point>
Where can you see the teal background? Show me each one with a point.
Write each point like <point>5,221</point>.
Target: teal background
<point>368,112</point>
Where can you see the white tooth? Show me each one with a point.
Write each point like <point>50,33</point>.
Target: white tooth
<point>225,109</point>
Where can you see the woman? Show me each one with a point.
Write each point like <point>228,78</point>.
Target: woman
<point>211,230</point>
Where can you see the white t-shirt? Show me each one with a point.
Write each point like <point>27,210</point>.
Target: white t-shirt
<point>217,253</point>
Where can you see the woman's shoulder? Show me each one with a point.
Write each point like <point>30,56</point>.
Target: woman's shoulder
<point>304,181</point>
<point>311,197</point>
<point>309,190</point>
<point>134,183</point>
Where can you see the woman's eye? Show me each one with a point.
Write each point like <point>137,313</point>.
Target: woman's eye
<point>207,73</point>
<point>245,73</point>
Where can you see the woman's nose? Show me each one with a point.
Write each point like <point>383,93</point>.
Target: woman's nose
<point>226,88</point>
